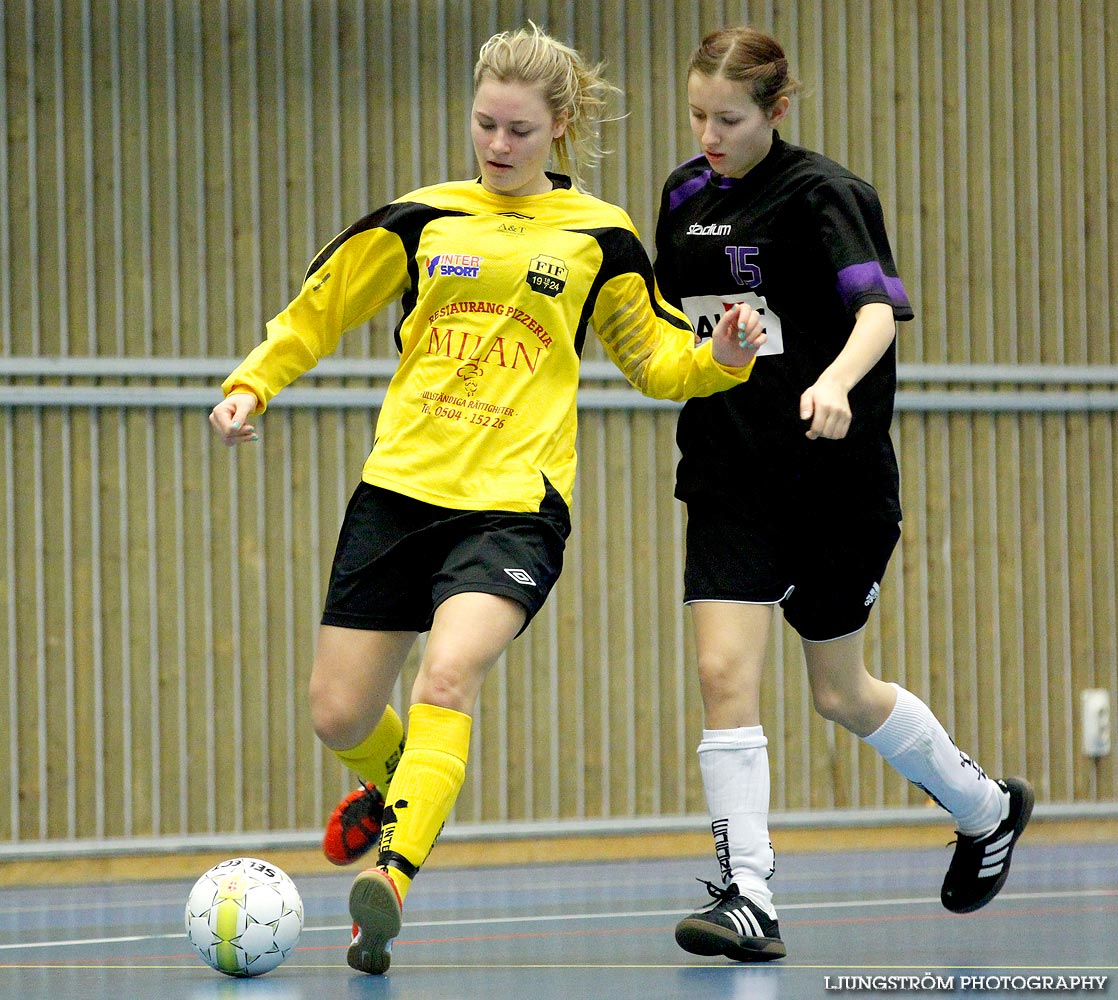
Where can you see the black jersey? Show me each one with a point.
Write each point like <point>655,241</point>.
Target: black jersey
<point>803,241</point>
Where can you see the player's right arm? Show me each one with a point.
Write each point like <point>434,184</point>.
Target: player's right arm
<point>352,277</point>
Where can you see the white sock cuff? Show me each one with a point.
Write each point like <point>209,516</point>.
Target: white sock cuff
<point>742,738</point>
<point>907,723</point>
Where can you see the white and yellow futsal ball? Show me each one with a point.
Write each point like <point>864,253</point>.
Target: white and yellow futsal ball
<point>244,916</point>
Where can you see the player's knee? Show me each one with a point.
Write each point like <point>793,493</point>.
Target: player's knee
<point>334,716</point>
<point>720,674</point>
<point>844,706</point>
<point>446,684</point>
<point>856,702</point>
<point>831,703</point>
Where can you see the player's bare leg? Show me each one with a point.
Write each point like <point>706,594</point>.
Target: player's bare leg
<point>990,815</point>
<point>741,922</point>
<point>354,672</point>
<point>469,633</point>
<point>352,679</point>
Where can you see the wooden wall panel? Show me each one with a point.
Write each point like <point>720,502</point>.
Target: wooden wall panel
<point>168,169</point>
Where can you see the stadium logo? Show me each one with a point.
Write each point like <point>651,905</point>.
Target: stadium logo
<point>547,275</point>
<point>456,265</point>
<point>714,229</point>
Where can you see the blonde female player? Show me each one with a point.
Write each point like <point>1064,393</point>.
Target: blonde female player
<point>804,458</point>
<point>458,525</point>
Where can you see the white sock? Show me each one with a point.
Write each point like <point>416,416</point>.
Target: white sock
<point>913,742</point>
<point>735,768</point>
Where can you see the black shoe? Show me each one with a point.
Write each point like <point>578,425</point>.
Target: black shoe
<point>980,865</point>
<point>733,926</point>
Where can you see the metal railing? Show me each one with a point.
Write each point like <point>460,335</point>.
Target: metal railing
<point>1052,388</point>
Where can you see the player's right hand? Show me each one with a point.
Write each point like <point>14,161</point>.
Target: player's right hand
<point>229,416</point>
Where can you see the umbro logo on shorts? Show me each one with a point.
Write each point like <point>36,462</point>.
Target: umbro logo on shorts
<point>521,576</point>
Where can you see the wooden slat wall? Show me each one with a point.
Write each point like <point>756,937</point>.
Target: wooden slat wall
<point>167,169</point>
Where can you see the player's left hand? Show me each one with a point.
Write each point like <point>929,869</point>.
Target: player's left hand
<point>826,405</point>
<point>737,336</point>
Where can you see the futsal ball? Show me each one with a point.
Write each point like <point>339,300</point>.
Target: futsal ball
<point>244,917</point>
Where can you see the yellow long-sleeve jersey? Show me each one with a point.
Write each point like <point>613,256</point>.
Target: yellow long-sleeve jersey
<point>497,295</point>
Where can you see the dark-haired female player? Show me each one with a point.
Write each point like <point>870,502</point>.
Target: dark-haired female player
<point>791,485</point>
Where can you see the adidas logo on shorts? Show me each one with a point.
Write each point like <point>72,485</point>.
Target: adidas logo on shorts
<point>873,595</point>
<point>521,576</point>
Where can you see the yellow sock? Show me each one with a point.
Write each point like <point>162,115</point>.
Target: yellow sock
<point>424,789</point>
<point>375,758</point>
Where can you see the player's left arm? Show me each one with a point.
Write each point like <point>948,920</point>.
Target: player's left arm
<point>851,232</point>
<point>826,403</point>
<point>652,342</point>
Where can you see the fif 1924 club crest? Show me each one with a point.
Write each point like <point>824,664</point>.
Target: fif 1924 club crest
<point>547,275</point>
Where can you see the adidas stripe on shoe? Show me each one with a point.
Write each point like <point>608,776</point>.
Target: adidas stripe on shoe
<point>374,905</point>
<point>980,865</point>
<point>733,926</point>
<point>353,828</point>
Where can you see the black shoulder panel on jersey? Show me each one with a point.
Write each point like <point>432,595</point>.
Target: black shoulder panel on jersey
<point>622,253</point>
<point>404,218</point>
<point>407,220</point>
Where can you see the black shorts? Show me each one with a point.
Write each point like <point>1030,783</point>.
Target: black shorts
<point>399,558</point>
<point>825,573</point>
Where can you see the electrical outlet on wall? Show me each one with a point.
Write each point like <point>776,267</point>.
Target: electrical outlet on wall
<point>1095,703</point>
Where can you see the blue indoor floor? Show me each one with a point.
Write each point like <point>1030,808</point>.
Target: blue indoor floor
<point>603,930</point>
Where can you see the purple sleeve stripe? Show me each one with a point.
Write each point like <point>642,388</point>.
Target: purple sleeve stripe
<point>858,279</point>
<point>685,190</point>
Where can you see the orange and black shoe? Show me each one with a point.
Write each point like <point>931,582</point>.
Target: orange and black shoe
<point>354,826</point>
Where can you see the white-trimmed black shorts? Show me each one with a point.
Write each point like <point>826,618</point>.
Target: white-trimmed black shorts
<point>399,558</point>
<point>824,571</point>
